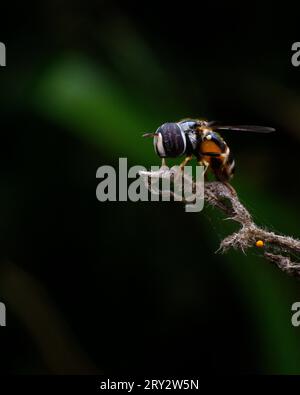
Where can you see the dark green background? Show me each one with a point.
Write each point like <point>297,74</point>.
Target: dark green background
<point>137,287</point>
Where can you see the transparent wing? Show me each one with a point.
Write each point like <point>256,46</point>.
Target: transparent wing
<point>243,128</point>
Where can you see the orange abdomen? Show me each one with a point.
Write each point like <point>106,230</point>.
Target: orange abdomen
<point>209,146</point>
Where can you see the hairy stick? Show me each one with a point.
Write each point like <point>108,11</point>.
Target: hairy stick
<point>277,248</point>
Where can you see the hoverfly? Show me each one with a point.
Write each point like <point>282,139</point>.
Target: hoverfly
<point>194,137</point>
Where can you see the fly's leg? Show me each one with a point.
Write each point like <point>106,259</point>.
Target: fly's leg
<point>185,162</point>
<point>163,162</point>
<point>223,177</point>
<point>202,162</point>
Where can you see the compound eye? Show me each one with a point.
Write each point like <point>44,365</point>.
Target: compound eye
<point>173,140</point>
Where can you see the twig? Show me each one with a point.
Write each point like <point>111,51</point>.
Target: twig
<point>276,248</point>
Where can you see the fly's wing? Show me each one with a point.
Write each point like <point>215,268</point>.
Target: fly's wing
<point>243,128</point>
